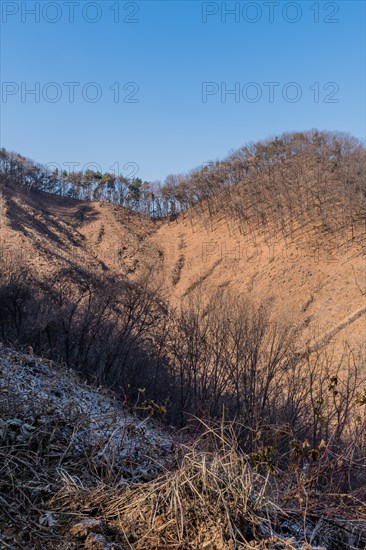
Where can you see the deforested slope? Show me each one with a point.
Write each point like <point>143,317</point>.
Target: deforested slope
<point>282,219</point>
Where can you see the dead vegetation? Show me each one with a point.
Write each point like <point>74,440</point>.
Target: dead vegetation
<point>79,472</point>
<point>52,427</point>
<point>211,499</point>
<point>272,450</point>
<point>3,210</point>
<point>216,499</point>
<point>178,269</point>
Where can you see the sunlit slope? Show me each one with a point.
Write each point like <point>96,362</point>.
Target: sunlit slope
<point>299,244</point>
<point>313,278</point>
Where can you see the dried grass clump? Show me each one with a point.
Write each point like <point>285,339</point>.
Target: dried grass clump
<point>213,497</point>
<point>212,500</point>
<point>216,498</point>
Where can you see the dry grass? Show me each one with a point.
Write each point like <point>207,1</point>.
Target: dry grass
<point>54,427</point>
<point>216,498</point>
<point>79,472</point>
<point>211,497</point>
<point>178,269</point>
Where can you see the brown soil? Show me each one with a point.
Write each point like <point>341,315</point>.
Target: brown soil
<point>316,278</point>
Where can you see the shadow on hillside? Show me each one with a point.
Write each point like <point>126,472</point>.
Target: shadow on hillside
<point>49,205</point>
<point>24,221</point>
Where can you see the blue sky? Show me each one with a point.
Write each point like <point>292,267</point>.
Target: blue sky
<point>181,56</point>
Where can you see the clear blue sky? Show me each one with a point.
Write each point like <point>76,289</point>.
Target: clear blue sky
<point>169,52</point>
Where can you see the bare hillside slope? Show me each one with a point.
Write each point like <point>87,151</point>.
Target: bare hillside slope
<point>52,233</point>
<point>316,278</point>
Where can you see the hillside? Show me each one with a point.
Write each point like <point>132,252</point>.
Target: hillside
<point>288,235</point>
<point>183,366</point>
<point>80,471</point>
<point>56,430</point>
<point>320,280</point>
<point>52,233</point>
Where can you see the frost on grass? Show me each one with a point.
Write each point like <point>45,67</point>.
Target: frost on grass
<point>38,393</point>
<point>53,427</point>
<point>79,472</point>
